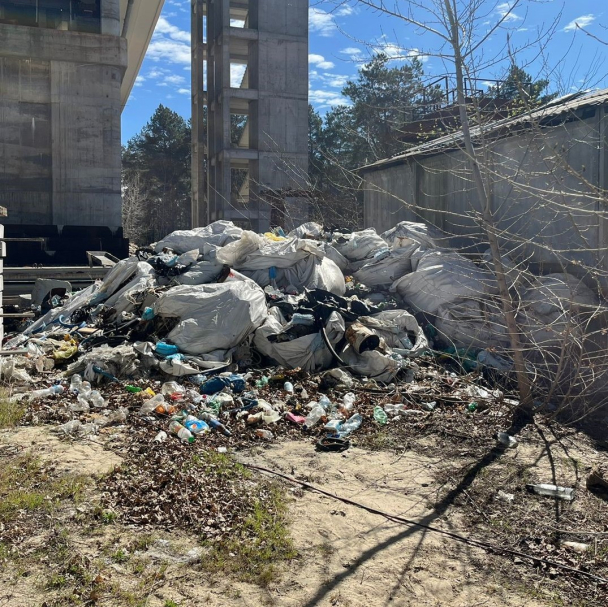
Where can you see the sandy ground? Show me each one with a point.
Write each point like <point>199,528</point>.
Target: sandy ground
<point>348,557</point>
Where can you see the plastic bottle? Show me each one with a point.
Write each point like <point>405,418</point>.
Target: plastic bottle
<point>215,424</point>
<point>429,406</point>
<point>563,493</point>
<point>195,425</point>
<point>325,402</point>
<point>166,409</point>
<point>333,426</point>
<point>288,387</point>
<point>265,434</point>
<point>472,407</point>
<point>315,414</point>
<point>133,389</point>
<point>47,392</point>
<point>350,425</point>
<point>85,388</point>
<point>170,387</point>
<point>76,383</point>
<point>96,399</point>
<point>182,433</point>
<point>151,404</point>
<point>506,439</point>
<point>348,401</point>
<point>393,408</point>
<point>380,416</point>
<point>161,437</point>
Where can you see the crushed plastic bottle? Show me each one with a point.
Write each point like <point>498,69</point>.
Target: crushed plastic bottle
<point>181,432</point>
<point>333,426</point>
<point>288,387</point>
<point>96,399</point>
<point>348,401</point>
<point>161,437</point>
<point>429,406</point>
<point>380,416</point>
<point>133,389</point>
<point>264,434</point>
<point>563,493</point>
<point>47,392</point>
<point>195,425</point>
<point>325,402</point>
<point>473,407</point>
<point>350,425</point>
<point>393,408</point>
<point>215,423</point>
<point>115,417</point>
<point>314,415</point>
<point>150,405</point>
<point>171,387</point>
<point>506,440</point>
<point>76,383</point>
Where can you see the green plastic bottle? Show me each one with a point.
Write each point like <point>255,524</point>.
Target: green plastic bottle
<point>473,407</point>
<point>133,389</point>
<point>380,415</point>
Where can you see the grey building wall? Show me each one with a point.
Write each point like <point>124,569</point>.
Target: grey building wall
<point>545,187</point>
<point>60,126</point>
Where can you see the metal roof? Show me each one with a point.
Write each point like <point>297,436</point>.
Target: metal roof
<point>562,105</point>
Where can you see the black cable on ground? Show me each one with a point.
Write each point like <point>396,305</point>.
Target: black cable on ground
<point>404,521</point>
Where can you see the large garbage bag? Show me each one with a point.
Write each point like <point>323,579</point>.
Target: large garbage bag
<point>142,281</point>
<point>358,245</point>
<point>200,273</point>
<point>440,278</point>
<point>397,327</point>
<point>310,230</point>
<point>218,233</point>
<point>118,277</point>
<point>406,233</point>
<point>558,293</point>
<point>472,323</point>
<point>291,262</point>
<point>309,352</point>
<point>383,271</point>
<point>372,364</point>
<point>214,316</point>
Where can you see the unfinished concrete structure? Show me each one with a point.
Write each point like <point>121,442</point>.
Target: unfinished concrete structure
<point>249,109</point>
<point>66,70</point>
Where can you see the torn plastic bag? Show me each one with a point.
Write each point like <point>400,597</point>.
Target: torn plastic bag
<point>358,245</point>
<point>337,258</point>
<point>77,301</point>
<point>308,352</point>
<point>143,280</point>
<point>9,372</point>
<point>467,323</point>
<point>218,233</point>
<point>214,316</point>
<point>372,364</point>
<point>440,278</point>
<point>116,278</point>
<point>178,367</point>
<point>119,361</point>
<point>188,258</point>
<point>407,233</point>
<point>394,326</point>
<point>236,253</point>
<point>309,230</point>
<point>384,271</point>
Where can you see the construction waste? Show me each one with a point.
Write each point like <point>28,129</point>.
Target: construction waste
<point>189,324</point>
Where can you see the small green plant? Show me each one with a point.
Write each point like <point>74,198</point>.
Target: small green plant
<point>120,556</point>
<point>11,412</point>
<point>170,603</point>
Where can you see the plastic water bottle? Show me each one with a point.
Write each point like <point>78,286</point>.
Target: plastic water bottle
<point>288,387</point>
<point>380,416</point>
<point>563,493</point>
<point>161,437</point>
<point>215,424</point>
<point>96,399</point>
<point>195,425</point>
<point>350,425</point>
<point>85,388</point>
<point>76,383</point>
<point>506,440</point>
<point>325,402</point>
<point>393,408</point>
<point>47,392</point>
<point>182,433</point>
<point>265,434</point>
<point>348,401</point>
<point>314,415</point>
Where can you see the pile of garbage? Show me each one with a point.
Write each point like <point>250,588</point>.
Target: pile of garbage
<point>209,305</point>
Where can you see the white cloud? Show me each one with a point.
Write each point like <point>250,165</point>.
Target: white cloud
<point>139,80</point>
<point>183,91</point>
<point>322,98</point>
<point>328,79</point>
<point>580,22</point>
<point>505,11</point>
<point>320,62</point>
<point>324,23</point>
<point>352,51</point>
<point>397,53</point>
<point>169,43</point>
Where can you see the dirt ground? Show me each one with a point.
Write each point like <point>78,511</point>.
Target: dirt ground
<point>347,557</point>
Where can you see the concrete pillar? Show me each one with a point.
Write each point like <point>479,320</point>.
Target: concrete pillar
<point>110,17</point>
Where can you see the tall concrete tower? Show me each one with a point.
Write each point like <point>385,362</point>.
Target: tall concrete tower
<point>249,110</point>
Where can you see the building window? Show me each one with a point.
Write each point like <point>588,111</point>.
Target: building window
<point>72,15</point>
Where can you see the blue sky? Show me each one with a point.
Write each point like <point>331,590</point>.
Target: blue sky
<point>344,33</point>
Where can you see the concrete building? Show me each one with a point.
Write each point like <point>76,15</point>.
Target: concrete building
<point>547,179</point>
<point>249,110</point>
<point>66,70</point>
